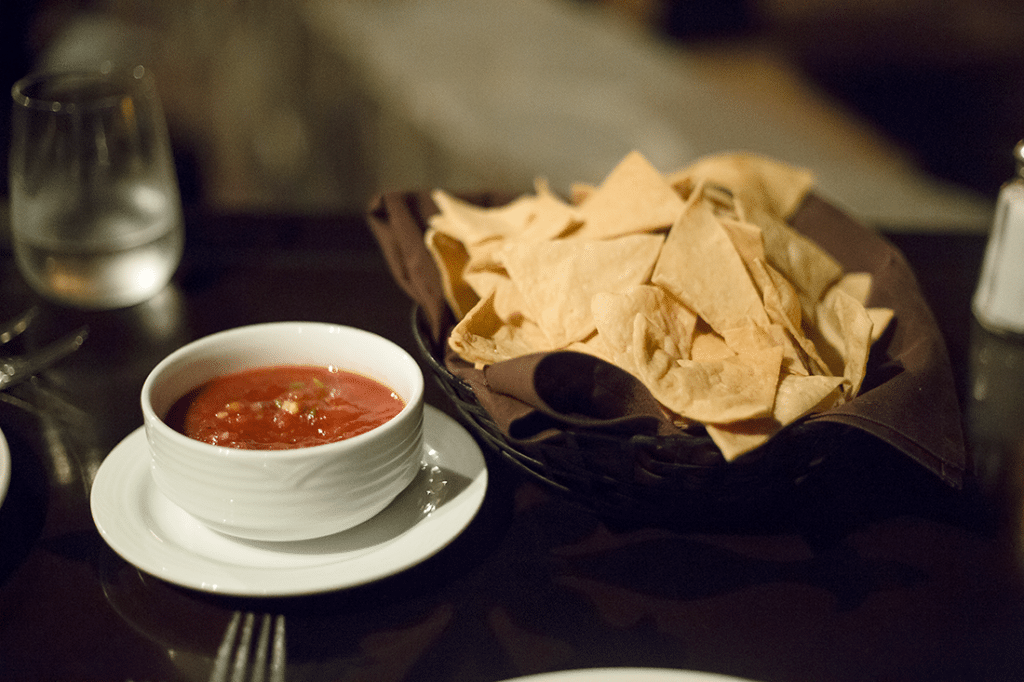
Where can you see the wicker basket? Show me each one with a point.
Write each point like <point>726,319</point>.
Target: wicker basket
<point>907,411</point>
<point>649,479</point>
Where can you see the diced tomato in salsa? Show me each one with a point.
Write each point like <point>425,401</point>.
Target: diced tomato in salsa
<point>275,408</point>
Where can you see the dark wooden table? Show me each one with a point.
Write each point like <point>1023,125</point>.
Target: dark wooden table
<point>885,574</point>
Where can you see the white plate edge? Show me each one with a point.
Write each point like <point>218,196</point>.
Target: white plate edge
<point>628,675</point>
<point>5,467</point>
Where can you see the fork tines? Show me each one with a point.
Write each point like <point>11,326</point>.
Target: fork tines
<point>246,647</point>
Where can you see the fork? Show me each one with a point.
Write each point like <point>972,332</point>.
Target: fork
<point>18,368</point>
<point>16,325</point>
<point>232,663</point>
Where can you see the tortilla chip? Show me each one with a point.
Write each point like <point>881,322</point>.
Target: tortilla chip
<point>661,336</point>
<point>507,299</point>
<point>755,181</point>
<point>746,237</point>
<point>551,218</point>
<point>614,312</point>
<point>633,198</point>
<point>800,395</point>
<point>708,345</point>
<point>580,192</point>
<point>723,391</point>
<point>595,345</point>
<point>881,318</point>
<point>752,338</point>
<point>559,278</point>
<point>783,306</point>
<point>451,258</point>
<point>805,264</point>
<point>701,267</point>
<point>856,284</point>
<point>741,437</point>
<point>483,337</point>
<point>472,224</point>
<point>796,397</point>
<point>845,328</point>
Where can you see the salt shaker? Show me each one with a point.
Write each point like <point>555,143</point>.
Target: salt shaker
<point>999,299</point>
<point>995,403</point>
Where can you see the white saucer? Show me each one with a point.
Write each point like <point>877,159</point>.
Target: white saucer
<point>5,467</point>
<point>160,538</point>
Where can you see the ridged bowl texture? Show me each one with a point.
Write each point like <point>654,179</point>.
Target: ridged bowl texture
<point>292,494</point>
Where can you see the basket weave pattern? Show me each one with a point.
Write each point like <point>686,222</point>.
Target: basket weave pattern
<point>641,478</point>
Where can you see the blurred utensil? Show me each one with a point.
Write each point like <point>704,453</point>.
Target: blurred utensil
<point>239,645</point>
<point>15,326</point>
<point>15,369</point>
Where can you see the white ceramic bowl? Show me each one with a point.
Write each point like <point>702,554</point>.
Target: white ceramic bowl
<point>294,494</point>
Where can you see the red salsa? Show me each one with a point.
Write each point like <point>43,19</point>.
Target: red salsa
<point>276,408</point>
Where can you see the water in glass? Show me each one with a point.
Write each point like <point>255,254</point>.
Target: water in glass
<point>95,210</point>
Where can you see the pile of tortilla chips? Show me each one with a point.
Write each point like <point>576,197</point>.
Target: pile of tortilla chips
<point>693,282</point>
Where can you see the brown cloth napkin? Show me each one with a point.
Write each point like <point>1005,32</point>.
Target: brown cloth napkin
<point>908,399</point>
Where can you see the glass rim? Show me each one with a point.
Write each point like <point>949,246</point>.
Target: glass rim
<point>22,95</point>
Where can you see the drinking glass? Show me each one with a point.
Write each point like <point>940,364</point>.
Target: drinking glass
<point>95,209</point>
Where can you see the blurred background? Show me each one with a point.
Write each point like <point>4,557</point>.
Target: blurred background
<point>907,112</point>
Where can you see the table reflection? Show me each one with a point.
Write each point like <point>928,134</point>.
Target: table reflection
<point>107,372</point>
